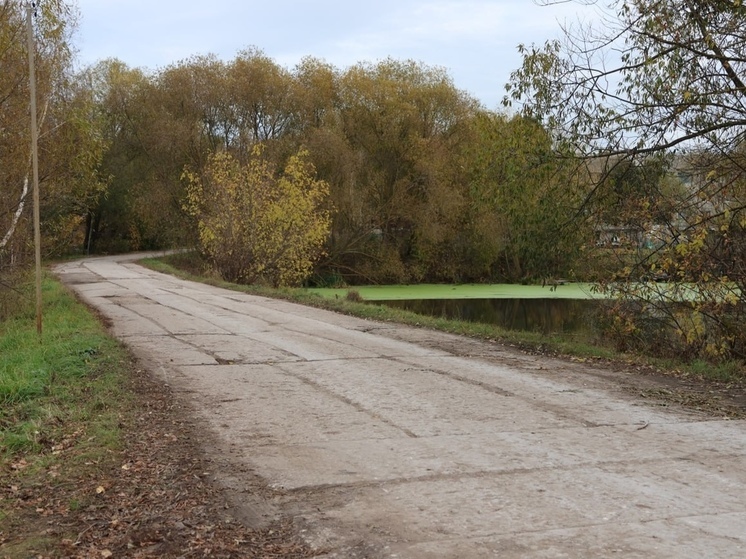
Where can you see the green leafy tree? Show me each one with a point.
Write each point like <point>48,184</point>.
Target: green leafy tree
<point>119,93</point>
<point>255,226</point>
<point>631,192</point>
<point>523,202</point>
<point>662,77</point>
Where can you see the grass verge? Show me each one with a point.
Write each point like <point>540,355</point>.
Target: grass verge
<point>61,397</point>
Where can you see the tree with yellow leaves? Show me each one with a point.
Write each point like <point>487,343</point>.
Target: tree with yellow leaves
<point>258,226</point>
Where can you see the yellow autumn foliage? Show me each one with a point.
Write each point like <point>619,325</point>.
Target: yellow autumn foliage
<point>256,226</point>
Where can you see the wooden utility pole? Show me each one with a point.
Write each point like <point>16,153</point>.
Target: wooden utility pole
<point>34,159</point>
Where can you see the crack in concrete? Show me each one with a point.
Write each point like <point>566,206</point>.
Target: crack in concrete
<point>349,402</point>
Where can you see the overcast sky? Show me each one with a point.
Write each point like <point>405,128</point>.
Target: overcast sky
<point>475,40</point>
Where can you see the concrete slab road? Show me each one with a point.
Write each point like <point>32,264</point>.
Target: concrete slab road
<point>388,441</point>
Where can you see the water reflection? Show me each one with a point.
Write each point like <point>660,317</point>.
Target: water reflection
<point>540,315</point>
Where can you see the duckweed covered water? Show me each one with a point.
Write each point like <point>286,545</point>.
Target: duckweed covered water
<point>470,291</point>
<point>567,308</point>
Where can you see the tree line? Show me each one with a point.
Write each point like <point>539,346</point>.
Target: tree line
<point>69,142</point>
<point>620,159</point>
<point>424,184</point>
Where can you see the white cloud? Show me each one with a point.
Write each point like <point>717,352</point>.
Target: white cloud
<point>474,39</point>
<point>447,21</point>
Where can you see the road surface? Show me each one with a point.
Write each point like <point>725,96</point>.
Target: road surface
<point>387,441</point>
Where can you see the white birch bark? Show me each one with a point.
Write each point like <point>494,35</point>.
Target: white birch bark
<point>22,201</point>
<point>16,215</point>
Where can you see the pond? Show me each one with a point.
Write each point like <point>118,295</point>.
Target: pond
<point>564,308</point>
<point>536,315</point>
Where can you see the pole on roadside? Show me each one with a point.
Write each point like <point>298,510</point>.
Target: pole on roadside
<point>30,8</point>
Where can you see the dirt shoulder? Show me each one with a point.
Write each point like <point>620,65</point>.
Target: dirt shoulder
<point>670,388</point>
<point>653,385</point>
<point>152,498</point>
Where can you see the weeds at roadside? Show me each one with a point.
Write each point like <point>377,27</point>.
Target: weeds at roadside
<point>354,296</point>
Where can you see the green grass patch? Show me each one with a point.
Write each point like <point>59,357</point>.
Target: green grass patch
<point>61,399</point>
<point>727,372</point>
<point>42,378</point>
<point>31,364</point>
